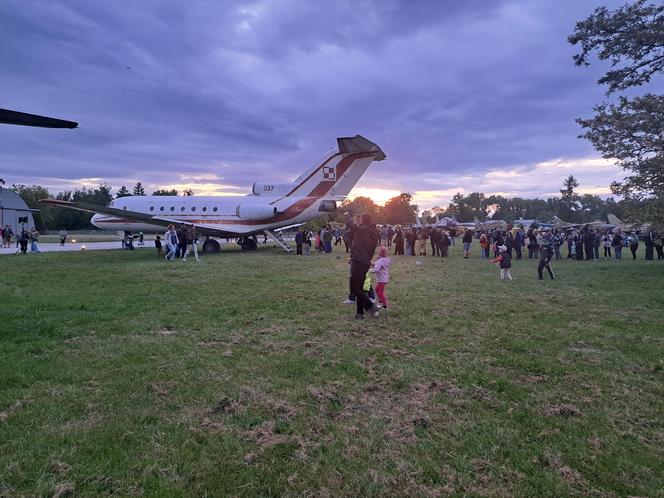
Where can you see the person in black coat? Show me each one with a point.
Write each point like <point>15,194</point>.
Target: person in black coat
<point>589,243</point>
<point>299,240</point>
<point>398,242</point>
<point>365,240</point>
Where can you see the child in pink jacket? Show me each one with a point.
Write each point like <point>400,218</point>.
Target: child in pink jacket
<point>381,269</point>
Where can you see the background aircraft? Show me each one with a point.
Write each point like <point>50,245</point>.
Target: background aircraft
<point>490,225</point>
<point>596,225</point>
<point>628,227</point>
<point>528,223</point>
<point>270,206</point>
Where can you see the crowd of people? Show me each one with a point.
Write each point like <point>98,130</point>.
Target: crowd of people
<point>582,244</point>
<point>22,239</point>
<point>178,243</point>
<point>361,239</point>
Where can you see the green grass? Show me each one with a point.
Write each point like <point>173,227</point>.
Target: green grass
<point>245,376</point>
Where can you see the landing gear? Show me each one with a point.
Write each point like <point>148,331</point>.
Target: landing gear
<point>211,246</point>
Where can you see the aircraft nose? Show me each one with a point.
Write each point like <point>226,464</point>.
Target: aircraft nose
<point>95,221</point>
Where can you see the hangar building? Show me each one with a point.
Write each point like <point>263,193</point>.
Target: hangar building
<point>14,211</point>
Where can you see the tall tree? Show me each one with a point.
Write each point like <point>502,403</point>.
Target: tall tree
<point>138,189</point>
<point>32,194</point>
<point>568,199</point>
<point>467,208</point>
<point>629,130</point>
<point>400,210</point>
<point>123,192</point>
<point>187,192</point>
<point>359,205</point>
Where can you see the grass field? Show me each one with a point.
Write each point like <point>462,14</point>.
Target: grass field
<point>244,375</point>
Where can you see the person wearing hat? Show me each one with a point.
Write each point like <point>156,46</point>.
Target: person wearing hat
<point>505,262</point>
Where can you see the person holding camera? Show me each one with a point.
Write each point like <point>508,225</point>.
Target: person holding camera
<point>34,238</point>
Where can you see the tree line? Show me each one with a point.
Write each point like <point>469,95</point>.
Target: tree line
<point>569,206</point>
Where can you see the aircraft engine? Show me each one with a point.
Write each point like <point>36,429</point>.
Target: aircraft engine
<point>256,212</point>
<point>272,189</point>
<point>328,206</point>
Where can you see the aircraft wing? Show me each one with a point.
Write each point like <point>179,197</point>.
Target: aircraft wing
<point>23,118</point>
<point>134,216</point>
<point>95,208</point>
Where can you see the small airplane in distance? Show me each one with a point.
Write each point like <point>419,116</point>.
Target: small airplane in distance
<point>446,222</point>
<point>628,227</point>
<point>559,224</point>
<point>490,225</point>
<point>270,206</point>
<point>529,223</point>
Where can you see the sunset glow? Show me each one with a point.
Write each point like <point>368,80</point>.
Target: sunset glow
<point>379,195</point>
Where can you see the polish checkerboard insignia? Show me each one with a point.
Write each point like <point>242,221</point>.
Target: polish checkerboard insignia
<point>329,173</point>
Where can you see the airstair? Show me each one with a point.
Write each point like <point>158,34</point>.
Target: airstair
<point>279,239</point>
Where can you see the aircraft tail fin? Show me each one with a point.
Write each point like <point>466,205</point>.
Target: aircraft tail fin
<point>339,172</point>
<point>614,220</point>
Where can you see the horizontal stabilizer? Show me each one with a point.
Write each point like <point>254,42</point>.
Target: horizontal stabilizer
<point>360,144</point>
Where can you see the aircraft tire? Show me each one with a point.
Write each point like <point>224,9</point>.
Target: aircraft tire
<point>211,246</point>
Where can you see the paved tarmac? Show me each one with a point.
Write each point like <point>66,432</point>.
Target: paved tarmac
<point>71,246</point>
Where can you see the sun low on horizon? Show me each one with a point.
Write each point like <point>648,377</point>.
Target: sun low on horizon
<point>378,195</point>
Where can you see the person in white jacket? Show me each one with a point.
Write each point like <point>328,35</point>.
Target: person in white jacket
<point>172,241</point>
<point>381,270</point>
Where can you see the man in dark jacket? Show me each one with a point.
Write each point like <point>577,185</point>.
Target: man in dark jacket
<point>546,255</point>
<point>299,240</point>
<point>183,241</point>
<point>365,240</point>
<point>589,243</point>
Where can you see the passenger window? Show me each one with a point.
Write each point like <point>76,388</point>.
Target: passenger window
<point>214,209</point>
<point>182,208</point>
<point>204,209</point>
<point>161,208</point>
<point>151,208</point>
<point>193,208</point>
<point>172,208</point>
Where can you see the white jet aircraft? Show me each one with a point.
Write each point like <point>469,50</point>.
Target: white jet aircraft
<point>270,206</point>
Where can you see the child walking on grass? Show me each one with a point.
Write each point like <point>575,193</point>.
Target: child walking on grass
<point>381,270</point>
<point>505,261</point>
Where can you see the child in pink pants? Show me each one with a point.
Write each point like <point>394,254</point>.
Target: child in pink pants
<point>381,269</point>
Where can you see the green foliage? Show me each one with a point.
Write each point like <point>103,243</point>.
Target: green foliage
<point>631,130</point>
<point>138,189</point>
<point>123,192</point>
<point>70,219</point>
<point>165,192</point>
<point>631,37</point>
<point>399,210</point>
<point>359,205</point>
<point>32,194</point>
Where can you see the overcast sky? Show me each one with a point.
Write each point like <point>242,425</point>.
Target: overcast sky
<point>461,95</point>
